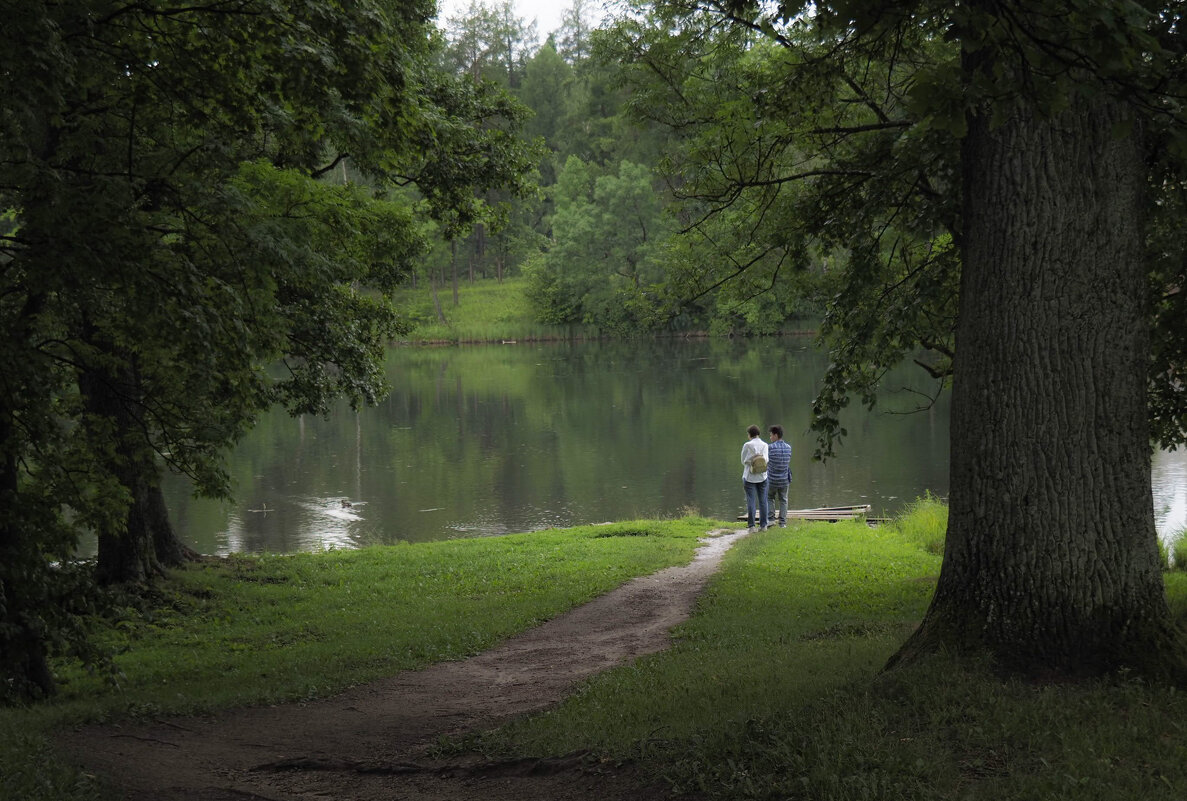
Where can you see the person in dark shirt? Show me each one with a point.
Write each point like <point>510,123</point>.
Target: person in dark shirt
<point>778,474</point>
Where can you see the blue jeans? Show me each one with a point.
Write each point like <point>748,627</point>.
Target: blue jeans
<point>777,494</point>
<point>756,495</point>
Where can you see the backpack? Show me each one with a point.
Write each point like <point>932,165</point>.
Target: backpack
<point>758,464</point>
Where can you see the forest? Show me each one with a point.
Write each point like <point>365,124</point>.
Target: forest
<point>601,242</point>
<point>208,208</point>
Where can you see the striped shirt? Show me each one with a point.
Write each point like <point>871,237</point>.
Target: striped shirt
<point>779,465</point>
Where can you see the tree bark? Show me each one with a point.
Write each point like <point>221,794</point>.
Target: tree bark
<point>170,550</point>
<point>479,250</point>
<point>453,280</point>
<point>147,544</point>
<point>24,659</point>
<point>436,299</point>
<point>128,555</point>
<point>1051,561</point>
<point>139,551</point>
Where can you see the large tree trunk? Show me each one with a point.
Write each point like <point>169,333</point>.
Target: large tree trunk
<point>24,662</point>
<point>1051,562</point>
<point>128,555</point>
<point>170,550</point>
<point>147,544</point>
<point>137,552</point>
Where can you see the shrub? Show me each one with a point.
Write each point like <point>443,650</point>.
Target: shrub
<point>1177,546</point>
<point>925,522</point>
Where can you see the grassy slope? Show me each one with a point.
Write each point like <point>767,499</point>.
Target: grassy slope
<point>773,691</point>
<point>487,311</point>
<point>770,692</point>
<point>264,629</point>
<point>494,311</point>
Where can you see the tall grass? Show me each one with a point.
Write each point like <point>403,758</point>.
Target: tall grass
<point>1177,550</point>
<point>924,522</point>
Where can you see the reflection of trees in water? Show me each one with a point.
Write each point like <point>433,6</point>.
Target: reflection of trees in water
<point>1169,474</point>
<point>495,439</point>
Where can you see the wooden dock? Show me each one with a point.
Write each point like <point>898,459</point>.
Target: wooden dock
<point>831,514</point>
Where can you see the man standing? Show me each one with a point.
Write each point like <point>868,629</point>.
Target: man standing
<point>754,478</point>
<point>778,473</point>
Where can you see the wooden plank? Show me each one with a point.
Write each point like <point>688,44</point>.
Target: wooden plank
<point>847,511</point>
<point>825,513</point>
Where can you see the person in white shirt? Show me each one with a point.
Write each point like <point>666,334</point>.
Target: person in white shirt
<point>754,478</point>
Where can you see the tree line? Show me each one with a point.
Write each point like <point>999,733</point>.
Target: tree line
<point>599,241</point>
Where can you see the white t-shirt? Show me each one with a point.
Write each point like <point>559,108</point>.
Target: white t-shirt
<point>751,449</point>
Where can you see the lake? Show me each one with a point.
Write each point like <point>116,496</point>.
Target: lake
<point>491,439</point>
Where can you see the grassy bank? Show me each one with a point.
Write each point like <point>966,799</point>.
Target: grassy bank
<point>498,311</point>
<point>252,630</point>
<point>771,691</point>
<point>487,311</point>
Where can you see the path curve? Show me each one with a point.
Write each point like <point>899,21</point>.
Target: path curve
<point>364,744</point>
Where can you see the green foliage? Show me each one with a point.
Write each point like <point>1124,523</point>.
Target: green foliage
<point>833,129</point>
<point>603,256</point>
<point>1176,596</point>
<point>924,522</point>
<point>166,247</point>
<point>802,172</point>
<point>1166,254</point>
<point>545,81</point>
<point>487,311</point>
<point>1176,550</point>
<point>31,774</point>
<point>631,272</point>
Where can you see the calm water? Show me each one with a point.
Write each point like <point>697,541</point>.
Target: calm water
<point>493,439</point>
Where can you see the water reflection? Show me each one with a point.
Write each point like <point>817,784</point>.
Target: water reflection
<point>1170,492</point>
<point>488,440</point>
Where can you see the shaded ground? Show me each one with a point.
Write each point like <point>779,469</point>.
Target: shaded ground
<point>368,743</point>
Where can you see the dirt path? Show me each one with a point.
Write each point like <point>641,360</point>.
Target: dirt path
<point>367,743</point>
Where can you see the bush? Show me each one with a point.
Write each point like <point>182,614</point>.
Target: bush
<point>1177,547</point>
<point>924,522</point>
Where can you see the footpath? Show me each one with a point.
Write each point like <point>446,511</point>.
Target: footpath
<point>370,743</point>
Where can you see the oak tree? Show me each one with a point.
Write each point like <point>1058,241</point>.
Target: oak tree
<point>991,183</point>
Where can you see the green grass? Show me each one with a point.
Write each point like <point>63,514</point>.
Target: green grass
<point>487,311</point>
<point>1176,595</point>
<point>924,522</point>
<point>793,615</point>
<point>252,630</point>
<point>775,691</point>
<point>1177,550</point>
